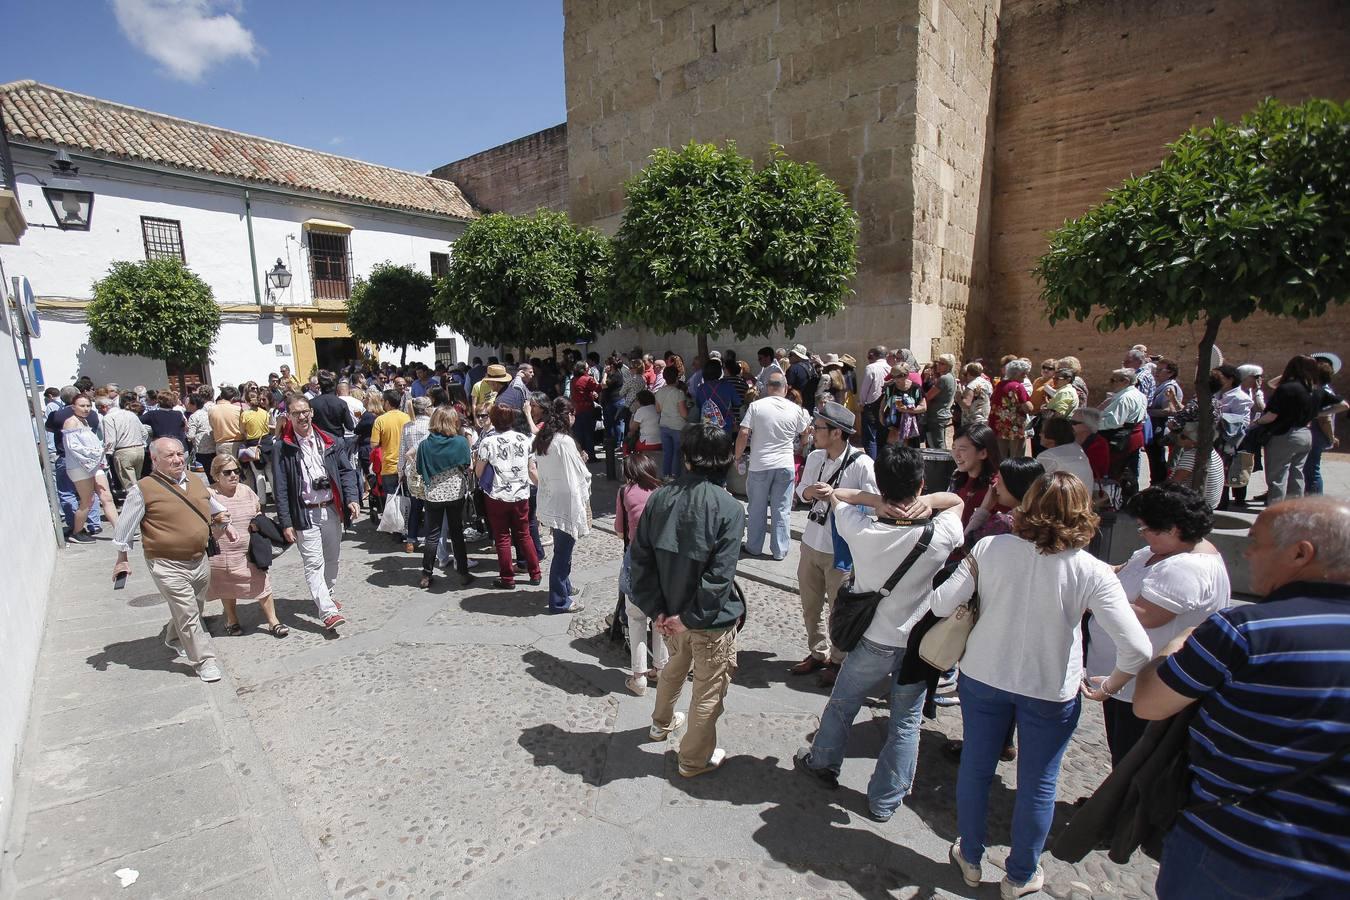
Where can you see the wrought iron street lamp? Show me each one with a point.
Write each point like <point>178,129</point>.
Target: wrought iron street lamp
<point>72,204</point>
<point>280,277</point>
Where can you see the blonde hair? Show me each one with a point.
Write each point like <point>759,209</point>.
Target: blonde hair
<point>1069,362</point>
<point>220,462</point>
<point>444,421</point>
<point>1056,514</point>
<point>374,402</point>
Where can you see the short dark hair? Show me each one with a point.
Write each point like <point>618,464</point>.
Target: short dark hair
<point>393,399</point>
<point>646,398</point>
<point>766,351</point>
<point>1169,504</point>
<point>327,381</point>
<point>1018,474</point>
<point>502,417</point>
<point>228,392</point>
<point>438,396</point>
<point>128,398</point>
<point>899,471</point>
<point>1058,429</point>
<point>706,449</point>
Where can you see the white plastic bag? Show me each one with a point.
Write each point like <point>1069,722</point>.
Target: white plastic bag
<point>394,519</point>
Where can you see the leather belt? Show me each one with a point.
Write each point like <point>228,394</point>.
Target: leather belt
<point>318,505</point>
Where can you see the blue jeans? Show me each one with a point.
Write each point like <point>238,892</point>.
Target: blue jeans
<point>862,669</point>
<point>1044,728</point>
<point>560,572</point>
<point>1193,870</point>
<point>670,452</point>
<point>583,432</point>
<point>1312,469</point>
<point>70,501</point>
<point>770,493</point>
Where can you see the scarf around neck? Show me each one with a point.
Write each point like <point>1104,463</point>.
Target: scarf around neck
<point>438,452</point>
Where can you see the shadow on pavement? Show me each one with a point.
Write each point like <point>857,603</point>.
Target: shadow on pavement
<point>580,678</point>
<point>526,600</point>
<point>147,654</point>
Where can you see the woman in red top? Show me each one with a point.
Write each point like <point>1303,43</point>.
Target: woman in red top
<point>1010,407</point>
<point>1086,420</point>
<point>585,391</point>
<point>976,453</point>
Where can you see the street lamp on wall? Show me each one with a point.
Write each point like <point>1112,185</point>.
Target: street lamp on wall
<point>278,279</point>
<point>71,203</point>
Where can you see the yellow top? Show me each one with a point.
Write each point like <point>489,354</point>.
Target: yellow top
<point>255,424</point>
<point>387,434</point>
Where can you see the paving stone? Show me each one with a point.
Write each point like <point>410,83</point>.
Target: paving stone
<point>174,702</point>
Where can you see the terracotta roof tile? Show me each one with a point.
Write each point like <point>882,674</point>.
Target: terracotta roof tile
<point>40,113</point>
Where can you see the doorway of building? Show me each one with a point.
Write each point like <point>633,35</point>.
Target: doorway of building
<point>334,353</point>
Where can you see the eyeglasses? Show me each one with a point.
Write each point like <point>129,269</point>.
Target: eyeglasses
<point>300,413</point>
<point>229,471</point>
<point>1047,368</point>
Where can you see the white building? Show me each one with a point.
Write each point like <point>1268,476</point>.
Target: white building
<point>230,205</point>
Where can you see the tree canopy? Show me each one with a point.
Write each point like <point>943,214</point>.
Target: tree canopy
<point>158,309</point>
<point>526,281</point>
<point>1236,219</point>
<point>709,245</point>
<point>393,307</point>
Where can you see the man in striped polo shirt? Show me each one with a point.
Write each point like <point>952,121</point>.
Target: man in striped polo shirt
<point>1273,682</point>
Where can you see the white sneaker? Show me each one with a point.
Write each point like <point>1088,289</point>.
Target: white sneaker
<point>714,761</point>
<point>657,733</point>
<point>177,648</point>
<point>209,671</point>
<point>1011,890</point>
<point>970,873</point>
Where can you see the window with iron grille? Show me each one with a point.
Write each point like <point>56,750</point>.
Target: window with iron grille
<point>329,265</point>
<point>440,265</point>
<point>163,238</point>
<point>445,348</point>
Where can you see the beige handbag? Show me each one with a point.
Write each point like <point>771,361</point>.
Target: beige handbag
<point>945,643</point>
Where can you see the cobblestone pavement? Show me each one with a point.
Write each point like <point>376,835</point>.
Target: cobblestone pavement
<point>461,742</point>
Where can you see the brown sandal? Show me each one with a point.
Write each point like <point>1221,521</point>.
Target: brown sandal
<point>278,630</point>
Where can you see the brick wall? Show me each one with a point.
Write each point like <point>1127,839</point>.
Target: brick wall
<point>837,84</point>
<point>527,174</point>
<point>1087,93</point>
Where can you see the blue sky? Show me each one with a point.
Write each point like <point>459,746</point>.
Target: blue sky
<point>406,83</point>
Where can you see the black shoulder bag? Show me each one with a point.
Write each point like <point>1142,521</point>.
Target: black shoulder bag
<point>212,548</point>
<point>853,610</point>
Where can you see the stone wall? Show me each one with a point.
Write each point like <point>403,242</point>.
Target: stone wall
<point>519,177</point>
<point>869,90</point>
<point>1089,92</point>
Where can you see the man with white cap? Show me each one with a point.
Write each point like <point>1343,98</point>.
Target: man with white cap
<point>800,376</point>
<point>835,464</point>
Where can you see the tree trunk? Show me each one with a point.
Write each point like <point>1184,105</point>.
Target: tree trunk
<point>403,356</point>
<point>1205,398</point>
<point>703,346</point>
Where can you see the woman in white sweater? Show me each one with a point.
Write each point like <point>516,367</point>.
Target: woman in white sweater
<point>564,503</point>
<point>1023,663</point>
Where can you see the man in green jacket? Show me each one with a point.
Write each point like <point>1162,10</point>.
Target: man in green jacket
<point>683,566</point>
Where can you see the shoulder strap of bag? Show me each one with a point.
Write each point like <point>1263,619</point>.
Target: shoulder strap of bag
<point>181,495</point>
<point>849,459</point>
<point>1279,784</point>
<point>623,517</point>
<point>924,540</point>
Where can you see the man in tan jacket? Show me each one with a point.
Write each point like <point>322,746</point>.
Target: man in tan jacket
<point>175,514</point>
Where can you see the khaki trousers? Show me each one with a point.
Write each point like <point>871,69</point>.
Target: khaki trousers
<point>183,585</point>
<point>818,581</point>
<point>712,657</point>
<point>127,462</point>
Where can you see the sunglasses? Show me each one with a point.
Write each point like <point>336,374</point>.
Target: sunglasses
<point>229,471</point>
<point>1047,368</point>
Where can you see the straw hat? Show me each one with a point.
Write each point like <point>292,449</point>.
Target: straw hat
<point>497,372</point>
<point>831,361</point>
<point>799,351</point>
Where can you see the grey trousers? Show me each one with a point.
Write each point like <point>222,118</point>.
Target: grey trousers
<point>1285,455</point>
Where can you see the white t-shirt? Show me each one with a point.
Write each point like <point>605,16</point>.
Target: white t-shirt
<point>775,423</point>
<point>878,549</point>
<point>1068,458</point>
<point>649,424</point>
<point>859,476</point>
<point>509,453</point>
<point>1192,585</point>
<point>1027,639</point>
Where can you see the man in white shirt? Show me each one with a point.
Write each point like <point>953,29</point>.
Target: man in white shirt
<point>879,548</point>
<point>767,366</point>
<point>869,395</point>
<point>1062,452</point>
<point>834,464</point>
<point>123,439</point>
<point>777,424</point>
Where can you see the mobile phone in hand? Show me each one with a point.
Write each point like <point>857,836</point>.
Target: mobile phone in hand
<point>119,581</point>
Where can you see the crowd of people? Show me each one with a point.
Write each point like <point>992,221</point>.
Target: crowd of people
<point>213,481</point>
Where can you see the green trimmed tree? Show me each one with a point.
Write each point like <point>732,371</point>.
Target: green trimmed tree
<point>393,307</point>
<point>710,245</point>
<point>158,309</point>
<point>526,281</point>
<point>1237,219</point>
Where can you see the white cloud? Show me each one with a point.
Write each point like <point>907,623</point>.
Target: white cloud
<point>187,37</point>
